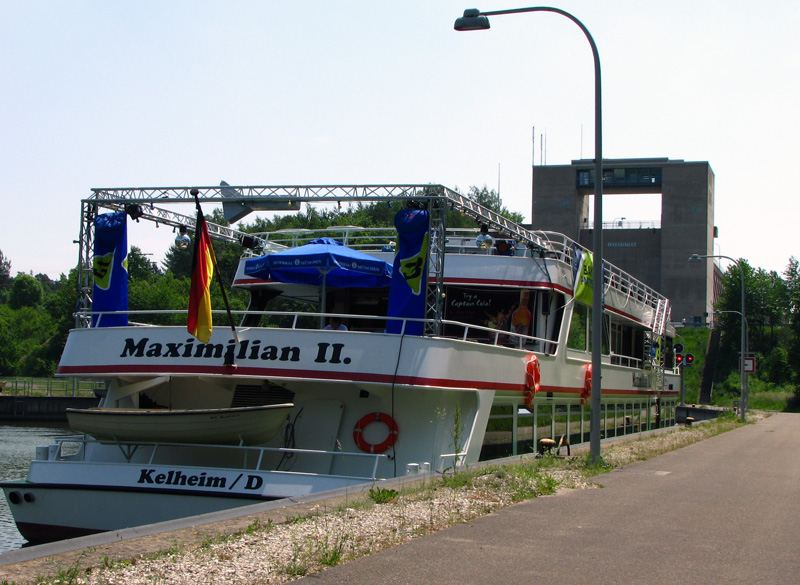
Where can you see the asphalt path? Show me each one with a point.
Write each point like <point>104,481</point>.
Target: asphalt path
<point>725,510</point>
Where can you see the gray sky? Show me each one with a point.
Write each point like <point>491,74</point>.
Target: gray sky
<point>178,93</point>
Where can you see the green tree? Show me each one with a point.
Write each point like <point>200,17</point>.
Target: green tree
<point>22,332</point>
<point>5,277</point>
<point>60,306</point>
<point>140,267</point>
<point>178,261</point>
<point>10,351</point>
<point>792,275</point>
<point>491,199</point>
<point>25,292</point>
<point>167,292</point>
<point>771,333</point>
<point>48,284</point>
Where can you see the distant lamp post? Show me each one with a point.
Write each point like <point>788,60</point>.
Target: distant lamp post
<point>474,19</point>
<point>743,344</point>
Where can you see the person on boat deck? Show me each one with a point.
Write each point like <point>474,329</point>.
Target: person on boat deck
<point>336,324</point>
<point>521,317</point>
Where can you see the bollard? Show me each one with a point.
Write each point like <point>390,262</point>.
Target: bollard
<point>546,446</point>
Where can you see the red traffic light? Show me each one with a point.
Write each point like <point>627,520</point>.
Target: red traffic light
<point>688,359</point>
<point>678,360</point>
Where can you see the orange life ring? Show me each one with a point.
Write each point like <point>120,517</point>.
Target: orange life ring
<point>587,383</point>
<point>533,378</point>
<point>364,422</point>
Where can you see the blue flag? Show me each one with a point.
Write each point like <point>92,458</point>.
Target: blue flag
<point>410,271</point>
<point>110,268</point>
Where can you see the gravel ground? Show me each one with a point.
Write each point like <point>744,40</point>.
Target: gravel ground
<point>279,551</point>
<point>270,553</point>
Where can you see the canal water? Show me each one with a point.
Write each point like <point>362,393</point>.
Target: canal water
<point>17,447</point>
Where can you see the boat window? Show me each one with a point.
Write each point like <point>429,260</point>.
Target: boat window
<point>258,302</point>
<point>366,301</point>
<point>501,309</point>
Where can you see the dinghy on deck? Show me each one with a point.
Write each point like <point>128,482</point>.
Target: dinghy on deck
<point>252,425</point>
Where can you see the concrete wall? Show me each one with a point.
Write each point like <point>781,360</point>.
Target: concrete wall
<point>557,206</point>
<point>697,413</point>
<point>687,227</point>
<point>41,408</point>
<point>635,251</point>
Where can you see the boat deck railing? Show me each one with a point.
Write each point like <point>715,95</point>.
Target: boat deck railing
<point>452,330</point>
<point>626,360</point>
<point>249,457</point>
<point>301,320</point>
<point>556,246</point>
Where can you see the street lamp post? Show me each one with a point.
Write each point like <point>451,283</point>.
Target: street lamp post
<point>474,19</point>
<point>743,341</point>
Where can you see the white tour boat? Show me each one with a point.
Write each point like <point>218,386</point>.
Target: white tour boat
<point>495,358</point>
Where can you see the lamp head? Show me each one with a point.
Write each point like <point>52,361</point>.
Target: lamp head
<point>134,210</point>
<point>472,20</point>
<point>182,240</point>
<point>695,258</point>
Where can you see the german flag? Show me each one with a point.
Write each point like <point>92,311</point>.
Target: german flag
<point>203,262</point>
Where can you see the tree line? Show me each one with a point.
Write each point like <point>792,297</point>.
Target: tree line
<point>772,317</point>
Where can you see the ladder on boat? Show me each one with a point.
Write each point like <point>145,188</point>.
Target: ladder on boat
<point>659,325</point>
<point>655,344</point>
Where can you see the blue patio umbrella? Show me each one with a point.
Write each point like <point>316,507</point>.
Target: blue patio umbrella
<point>322,262</point>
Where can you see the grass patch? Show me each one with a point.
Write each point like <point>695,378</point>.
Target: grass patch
<point>771,400</point>
<point>381,495</point>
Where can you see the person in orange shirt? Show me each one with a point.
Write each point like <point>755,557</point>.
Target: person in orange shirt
<point>521,317</point>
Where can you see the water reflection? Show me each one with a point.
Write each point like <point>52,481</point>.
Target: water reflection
<point>17,447</point>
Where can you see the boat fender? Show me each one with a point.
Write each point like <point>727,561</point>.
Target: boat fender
<point>587,383</point>
<point>367,420</point>
<point>533,378</point>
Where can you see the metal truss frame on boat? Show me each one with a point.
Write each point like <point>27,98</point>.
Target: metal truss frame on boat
<point>146,204</point>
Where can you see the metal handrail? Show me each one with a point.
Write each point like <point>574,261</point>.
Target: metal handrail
<point>86,440</point>
<point>495,334</point>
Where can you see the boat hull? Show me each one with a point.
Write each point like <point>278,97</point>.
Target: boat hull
<point>64,499</point>
<point>59,512</point>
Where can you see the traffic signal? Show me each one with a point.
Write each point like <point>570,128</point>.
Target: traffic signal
<point>678,348</point>
<point>678,359</point>
<point>688,359</point>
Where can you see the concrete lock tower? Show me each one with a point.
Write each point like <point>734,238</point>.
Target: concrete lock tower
<point>654,251</point>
